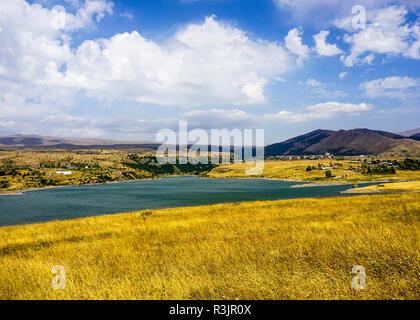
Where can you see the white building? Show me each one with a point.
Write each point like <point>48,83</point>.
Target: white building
<point>63,172</point>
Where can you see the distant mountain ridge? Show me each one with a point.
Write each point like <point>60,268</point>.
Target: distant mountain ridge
<point>344,142</point>
<point>22,140</point>
<point>410,133</point>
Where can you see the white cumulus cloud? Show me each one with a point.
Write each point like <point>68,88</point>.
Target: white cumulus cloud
<point>294,43</point>
<point>387,32</point>
<point>393,87</point>
<point>210,63</point>
<point>319,111</point>
<point>322,47</point>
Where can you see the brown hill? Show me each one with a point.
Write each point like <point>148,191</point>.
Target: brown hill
<point>344,142</point>
<point>415,136</point>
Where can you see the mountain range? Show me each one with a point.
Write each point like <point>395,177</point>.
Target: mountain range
<point>343,142</point>
<point>346,142</point>
<point>410,133</point>
<point>23,140</point>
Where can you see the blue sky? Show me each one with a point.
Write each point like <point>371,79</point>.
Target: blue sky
<point>125,69</point>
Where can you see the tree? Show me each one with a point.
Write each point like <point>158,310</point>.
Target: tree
<point>4,184</point>
<point>328,174</point>
<point>308,168</point>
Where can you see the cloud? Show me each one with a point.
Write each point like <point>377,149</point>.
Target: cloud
<point>283,3</point>
<point>57,123</point>
<point>313,83</point>
<point>327,11</point>
<point>127,15</point>
<point>326,110</point>
<point>293,42</point>
<point>278,79</point>
<point>210,63</point>
<point>330,108</point>
<point>33,45</point>
<point>255,91</point>
<point>44,77</point>
<point>204,64</point>
<point>221,118</point>
<point>387,32</point>
<point>322,47</point>
<point>241,119</point>
<point>393,87</point>
<point>342,75</point>
<point>321,90</point>
<point>389,28</point>
<point>91,9</point>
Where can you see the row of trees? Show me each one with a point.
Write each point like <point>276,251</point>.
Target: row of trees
<point>380,170</point>
<point>150,164</point>
<point>409,164</point>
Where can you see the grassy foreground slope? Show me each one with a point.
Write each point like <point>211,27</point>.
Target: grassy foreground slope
<point>288,249</point>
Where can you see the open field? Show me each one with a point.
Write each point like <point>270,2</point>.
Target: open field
<point>410,186</point>
<point>288,249</point>
<point>342,170</point>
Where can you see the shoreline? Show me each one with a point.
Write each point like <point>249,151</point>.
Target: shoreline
<point>303,183</point>
<point>22,191</point>
<point>376,191</point>
<point>343,183</point>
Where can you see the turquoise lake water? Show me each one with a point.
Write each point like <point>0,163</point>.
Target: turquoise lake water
<point>90,200</point>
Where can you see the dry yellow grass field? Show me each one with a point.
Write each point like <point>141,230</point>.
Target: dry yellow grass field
<point>396,186</point>
<point>296,170</point>
<point>288,249</point>
<point>106,158</point>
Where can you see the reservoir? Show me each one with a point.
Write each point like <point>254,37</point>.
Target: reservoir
<point>90,200</point>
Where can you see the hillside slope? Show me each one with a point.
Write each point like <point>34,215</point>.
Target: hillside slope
<point>288,249</point>
<point>415,136</point>
<point>344,142</point>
